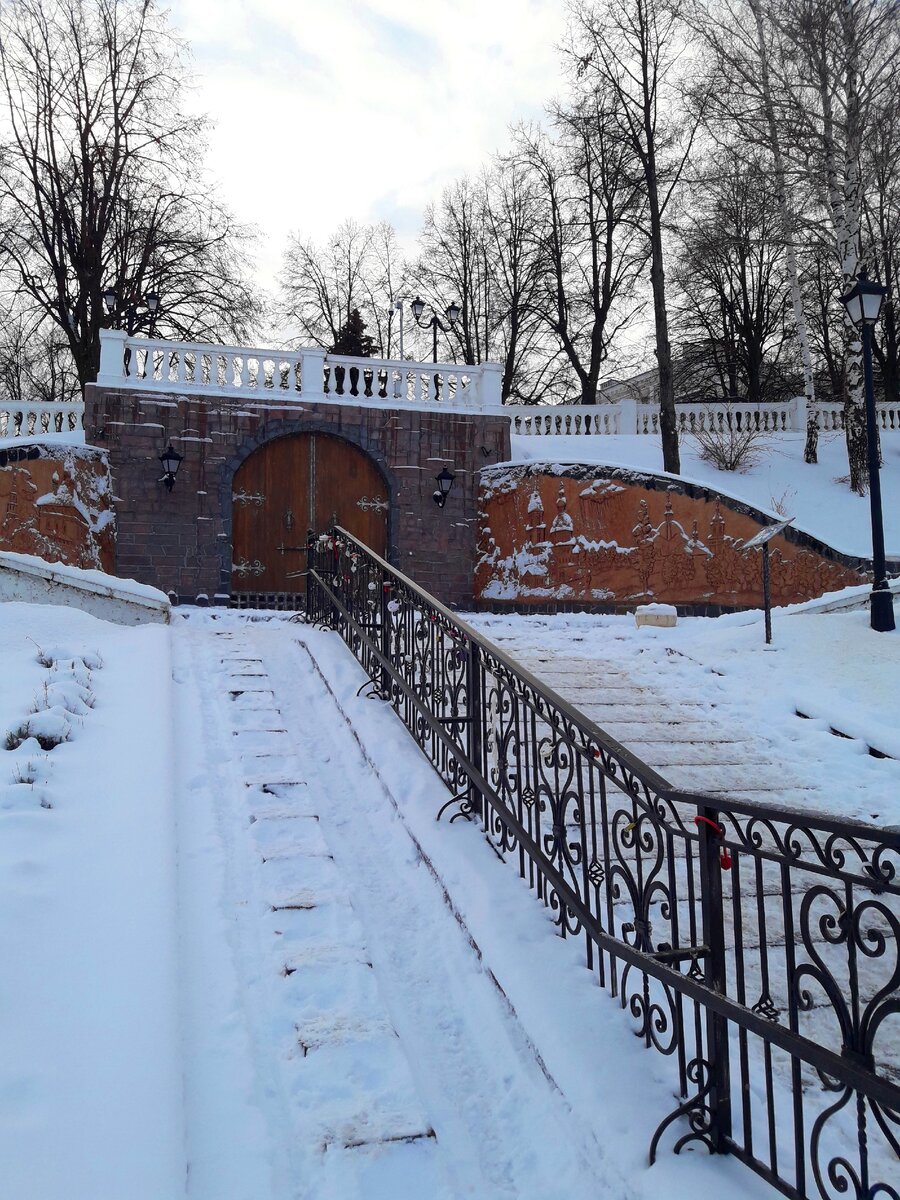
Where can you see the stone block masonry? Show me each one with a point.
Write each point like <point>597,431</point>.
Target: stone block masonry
<point>180,541</point>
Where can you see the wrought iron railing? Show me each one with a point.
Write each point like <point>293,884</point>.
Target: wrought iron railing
<point>756,947</point>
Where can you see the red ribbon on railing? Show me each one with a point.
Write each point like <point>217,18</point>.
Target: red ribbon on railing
<point>724,856</point>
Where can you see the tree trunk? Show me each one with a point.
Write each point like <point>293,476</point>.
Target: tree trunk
<point>810,450</point>
<point>668,427</point>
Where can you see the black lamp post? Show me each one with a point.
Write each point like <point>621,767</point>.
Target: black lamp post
<point>864,302</point>
<point>444,484</point>
<point>171,460</point>
<point>451,312</point>
<point>131,313</point>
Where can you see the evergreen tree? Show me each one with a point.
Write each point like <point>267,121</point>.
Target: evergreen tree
<point>352,338</point>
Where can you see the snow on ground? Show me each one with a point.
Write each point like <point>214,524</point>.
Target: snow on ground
<point>292,982</point>
<point>831,667</point>
<point>90,1069</point>
<point>780,483</point>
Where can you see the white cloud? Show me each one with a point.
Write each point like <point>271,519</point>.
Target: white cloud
<point>327,109</point>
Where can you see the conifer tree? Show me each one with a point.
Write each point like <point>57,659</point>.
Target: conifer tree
<point>352,338</point>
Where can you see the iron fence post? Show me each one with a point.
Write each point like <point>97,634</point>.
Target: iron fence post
<point>310,565</point>
<point>719,1080</point>
<point>385,684</point>
<point>473,707</point>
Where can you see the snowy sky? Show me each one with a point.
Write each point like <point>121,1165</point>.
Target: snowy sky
<point>327,109</point>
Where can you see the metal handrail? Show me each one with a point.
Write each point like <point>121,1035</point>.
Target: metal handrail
<point>686,939</point>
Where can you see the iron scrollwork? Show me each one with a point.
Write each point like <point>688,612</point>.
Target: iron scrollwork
<point>757,951</point>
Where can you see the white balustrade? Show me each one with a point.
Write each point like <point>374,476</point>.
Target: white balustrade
<point>630,416</point>
<point>151,364</point>
<point>311,374</point>
<point>42,417</point>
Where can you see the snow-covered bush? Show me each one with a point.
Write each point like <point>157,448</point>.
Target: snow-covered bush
<point>730,439</point>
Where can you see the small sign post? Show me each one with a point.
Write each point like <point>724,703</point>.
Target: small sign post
<point>762,539</point>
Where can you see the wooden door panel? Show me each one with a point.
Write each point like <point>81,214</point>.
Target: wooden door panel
<point>349,487</point>
<point>293,484</point>
<point>270,515</point>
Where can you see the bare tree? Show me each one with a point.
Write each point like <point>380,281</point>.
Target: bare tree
<point>629,49</point>
<point>93,190</point>
<point>881,212</point>
<point>387,285</point>
<point>451,265</point>
<point>517,334</point>
<point>35,361</point>
<point>731,277</point>
<point>322,285</point>
<point>589,261</point>
<point>359,268</point>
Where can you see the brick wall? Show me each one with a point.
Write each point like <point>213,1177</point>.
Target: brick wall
<point>181,541</point>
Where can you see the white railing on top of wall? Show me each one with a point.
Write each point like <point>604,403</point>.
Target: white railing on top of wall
<point>629,416</point>
<point>43,416</point>
<point>309,374</point>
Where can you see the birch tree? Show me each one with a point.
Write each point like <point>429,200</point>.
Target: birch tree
<point>840,64</point>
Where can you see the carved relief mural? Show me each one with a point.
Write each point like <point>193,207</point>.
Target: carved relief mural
<point>589,534</point>
<point>55,502</point>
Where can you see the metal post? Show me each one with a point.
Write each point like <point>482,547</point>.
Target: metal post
<point>881,602</point>
<point>767,593</point>
<point>385,684</point>
<point>719,1080</point>
<point>473,712</point>
<point>310,563</point>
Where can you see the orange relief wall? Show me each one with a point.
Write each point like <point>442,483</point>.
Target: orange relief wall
<point>615,538</point>
<point>55,502</point>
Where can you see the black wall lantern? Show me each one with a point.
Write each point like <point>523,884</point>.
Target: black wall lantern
<point>171,460</point>
<point>444,484</point>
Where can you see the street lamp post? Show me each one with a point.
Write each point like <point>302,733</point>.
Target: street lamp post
<point>864,302</point>
<point>451,312</point>
<point>127,315</point>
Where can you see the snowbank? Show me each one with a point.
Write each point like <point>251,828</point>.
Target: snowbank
<point>90,1071</point>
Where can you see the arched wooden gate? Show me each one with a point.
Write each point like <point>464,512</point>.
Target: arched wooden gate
<point>289,485</point>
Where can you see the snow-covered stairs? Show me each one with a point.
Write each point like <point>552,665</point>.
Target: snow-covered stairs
<point>690,740</point>
<point>345,1080</point>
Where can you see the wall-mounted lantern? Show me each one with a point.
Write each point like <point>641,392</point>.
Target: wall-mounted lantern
<point>444,484</point>
<point>171,460</point>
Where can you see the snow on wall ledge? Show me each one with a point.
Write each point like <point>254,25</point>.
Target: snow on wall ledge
<point>122,601</point>
<point>56,502</point>
<point>613,538</point>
